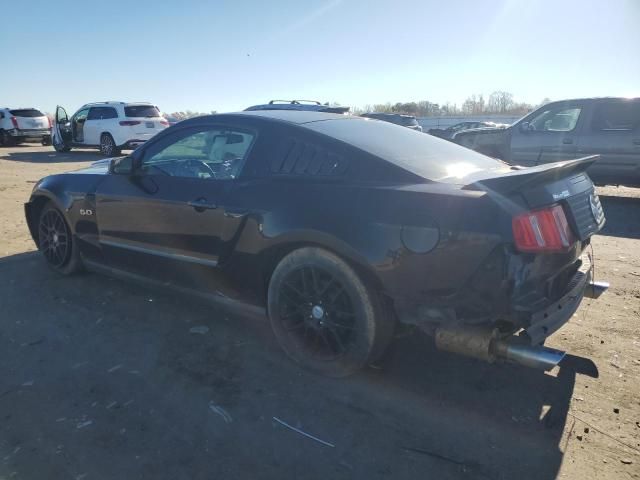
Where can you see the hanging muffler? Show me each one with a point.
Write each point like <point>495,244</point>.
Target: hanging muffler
<point>486,344</point>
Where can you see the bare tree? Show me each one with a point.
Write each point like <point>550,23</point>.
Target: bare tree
<point>500,102</point>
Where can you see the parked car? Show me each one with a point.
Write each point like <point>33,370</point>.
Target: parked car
<point>300,105</point>
<point>448,132</point>
<point>20,124</point>
<point>340,228</point>
<point>608,127</point>
<point>109,126</point>
<point>408,121</point>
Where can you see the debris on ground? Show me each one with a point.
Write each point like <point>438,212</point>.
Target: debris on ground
<point>220,411</point>
<point>281,422</point>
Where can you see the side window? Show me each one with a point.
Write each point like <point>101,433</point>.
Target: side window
<point>94,113</point>
<point>301,158</point>
<point>81,116</point>
<point>215,153</point>
<point>109,112</point>
<point>616,116</point>
<point>556,120</point>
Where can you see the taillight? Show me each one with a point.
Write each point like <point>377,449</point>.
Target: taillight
<point>14,120</point>
<point>164,122</point>
<point>545,230</point>
<point>49,122</point>
<point>129,123</point>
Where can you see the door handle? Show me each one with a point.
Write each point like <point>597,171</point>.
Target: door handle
<point>567,141</point>
<point>201,204</point>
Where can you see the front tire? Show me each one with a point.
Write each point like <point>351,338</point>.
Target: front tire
<point>324,315</point>
<point>56,241</point>
<point>108,146</point>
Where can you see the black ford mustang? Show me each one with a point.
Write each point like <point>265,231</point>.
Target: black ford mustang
<point>342,227</point>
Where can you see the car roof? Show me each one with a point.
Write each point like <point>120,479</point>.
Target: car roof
<point>296,116</point>
<point>384,114</point>
<point>98,104</point>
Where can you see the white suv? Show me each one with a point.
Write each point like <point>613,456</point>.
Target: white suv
<point>109,126</point>
<point>20,124</point>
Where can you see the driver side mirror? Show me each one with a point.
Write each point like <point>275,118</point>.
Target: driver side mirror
<point>525,127</point>
<point>121,166</point>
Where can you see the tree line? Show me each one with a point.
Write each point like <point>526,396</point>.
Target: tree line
<point>498,103</point>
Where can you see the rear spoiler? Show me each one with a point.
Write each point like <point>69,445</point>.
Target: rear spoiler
<point>523,177</point>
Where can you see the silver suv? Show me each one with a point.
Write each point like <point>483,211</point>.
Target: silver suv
<point>20,124</point>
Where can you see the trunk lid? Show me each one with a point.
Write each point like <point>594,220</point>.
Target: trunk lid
<point>148,117</point>
<point>30,119</point>
<point>564,183</point>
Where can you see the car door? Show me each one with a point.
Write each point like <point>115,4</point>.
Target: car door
<point>77,125</point>
<point>93,126</point>
<point>613,132</point>
<point>550,135</point>
<point>62,134</point>
<point>163,221</point>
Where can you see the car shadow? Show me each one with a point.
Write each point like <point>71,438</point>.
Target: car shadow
<point>29,155</point>
<point>173,386</point>
<point>623,216</point>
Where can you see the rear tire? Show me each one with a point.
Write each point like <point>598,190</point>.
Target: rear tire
<point>324,315</point>
<point>108,146</point>
<point>56,241</point>
<point>5,139</point>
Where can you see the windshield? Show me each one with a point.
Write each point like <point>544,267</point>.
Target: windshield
<point>421,154</point>
<point>26,112</point>
<point>146,111</point>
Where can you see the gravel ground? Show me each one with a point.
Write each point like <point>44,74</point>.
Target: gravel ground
<point>103,379</point>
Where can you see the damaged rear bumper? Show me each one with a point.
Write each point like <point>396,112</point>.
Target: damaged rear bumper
<point>486,342</point>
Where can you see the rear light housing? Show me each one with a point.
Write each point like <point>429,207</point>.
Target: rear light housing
<point>49,122</point>
<point>164,122</point>
<point>130,123</point>
<point>544,230</point>
<point>14,120</point>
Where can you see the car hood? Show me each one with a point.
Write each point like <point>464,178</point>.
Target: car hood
<point>100,167</point>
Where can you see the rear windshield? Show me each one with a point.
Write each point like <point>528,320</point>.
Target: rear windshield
<point>26,112</point>
<point>141,111</point>
<point>429,157</point>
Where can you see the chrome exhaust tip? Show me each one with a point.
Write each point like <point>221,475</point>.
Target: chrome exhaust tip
<point>541,358</point>
<point>485,344</point>
<point>595,289</point>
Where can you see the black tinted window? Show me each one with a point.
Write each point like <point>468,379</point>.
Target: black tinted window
<point>102,113</point>
<point>141,111</point>
<point>423,155</point>
<point>26,112</point>
<point>301,158</point>
<point>623,115</point>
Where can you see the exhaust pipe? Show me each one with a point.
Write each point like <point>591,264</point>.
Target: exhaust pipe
<point>595,289</point>
<point>484,344</point>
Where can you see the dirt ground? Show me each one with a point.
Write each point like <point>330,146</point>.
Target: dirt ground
<point>103,379</point>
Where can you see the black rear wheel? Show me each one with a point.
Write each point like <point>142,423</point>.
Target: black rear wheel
<point>108,146</point>
<point>324,316</point>
<point>56,242</point>
<point>5,139</point>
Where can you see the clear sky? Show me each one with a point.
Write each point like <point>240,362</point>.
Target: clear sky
<point>227,55</point>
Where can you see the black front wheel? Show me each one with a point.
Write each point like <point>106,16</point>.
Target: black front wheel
<point>324,315</point>
<point>56,242</point>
